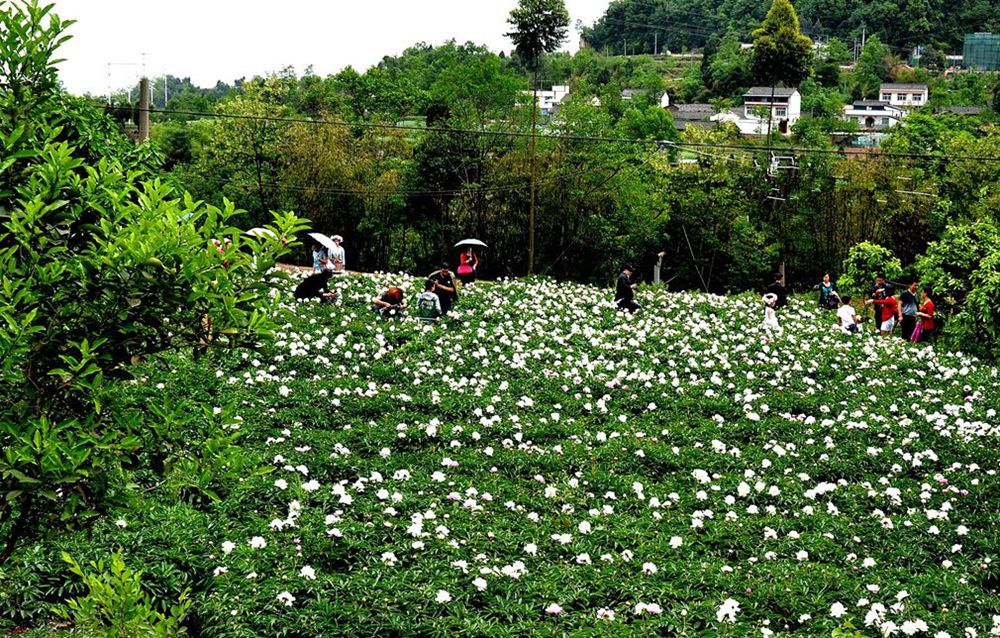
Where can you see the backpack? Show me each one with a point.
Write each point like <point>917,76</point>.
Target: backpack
<point>427,309</point>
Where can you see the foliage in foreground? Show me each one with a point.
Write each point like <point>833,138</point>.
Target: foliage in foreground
<point>101,267</point>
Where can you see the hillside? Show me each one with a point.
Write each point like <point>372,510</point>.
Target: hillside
<point>680,25</point>
<point>540,464</point>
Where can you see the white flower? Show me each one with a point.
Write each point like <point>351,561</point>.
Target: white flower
<point>554,609</point>
<point>605,614</point>
<point>121,522</point>
<point>649,568</point>
<point>311,486</point>
<point>307,572</point>
<point>584,527</point>
<point>443,596</point>
<point>258,542</point>
<point>286,598</point>
<point>281,484</point>
<point>676,541</point>
<point>837,609</point>
<point>480,584</point>
<point>228,546</point>
<point>727,611</point>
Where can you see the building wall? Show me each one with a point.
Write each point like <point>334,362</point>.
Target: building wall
<point>982,52</point>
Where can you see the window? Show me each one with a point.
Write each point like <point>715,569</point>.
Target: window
<point>886,97</point>
<point>918,98</point>
<point>901,97</point>
<point>885,121</point>
<point>780,112</point>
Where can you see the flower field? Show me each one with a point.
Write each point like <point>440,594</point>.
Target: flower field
<point>540,464</point>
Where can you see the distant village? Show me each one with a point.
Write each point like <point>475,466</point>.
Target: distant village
<point>774,110</point>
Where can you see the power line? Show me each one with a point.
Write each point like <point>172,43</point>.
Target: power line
<point>790,150</point>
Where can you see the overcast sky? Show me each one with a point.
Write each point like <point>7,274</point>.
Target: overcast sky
<point>209,40</point>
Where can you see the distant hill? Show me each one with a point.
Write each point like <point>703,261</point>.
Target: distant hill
<point>680,25</point>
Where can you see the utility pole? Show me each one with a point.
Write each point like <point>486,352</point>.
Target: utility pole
<point>656,42</point>
<point>625,48</point>
<point>144,109</point>
<point>864,33</point>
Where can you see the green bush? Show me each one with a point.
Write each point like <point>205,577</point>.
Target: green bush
<point>115,605</point>
<point>864,262</point>
<point>963,268</point>
<point>101,266</point>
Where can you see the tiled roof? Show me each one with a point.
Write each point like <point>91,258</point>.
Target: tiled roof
<point>765,91</point>
<point>904,87</point>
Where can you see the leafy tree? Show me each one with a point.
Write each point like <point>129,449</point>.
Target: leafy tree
<point>101,266</point>
<point>872,69</point>
<point>864,262</point>
<point>539,26</point>
<point>780,52</point>
<point>729,68</point>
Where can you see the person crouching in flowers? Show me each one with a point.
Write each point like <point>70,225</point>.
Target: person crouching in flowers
<point>891,312</point>
<point>770,316</point>
<point>390,303</point>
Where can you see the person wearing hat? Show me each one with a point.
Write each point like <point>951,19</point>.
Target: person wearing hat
<point>770,316</point>
<point>338,258</point>
<point>625,290</point>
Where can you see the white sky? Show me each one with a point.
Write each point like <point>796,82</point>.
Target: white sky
<point>209,40</point>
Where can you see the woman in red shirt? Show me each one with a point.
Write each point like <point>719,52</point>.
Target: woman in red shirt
<point>926,315</point>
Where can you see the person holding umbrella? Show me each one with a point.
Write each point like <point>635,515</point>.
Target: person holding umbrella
<point>468,261</point>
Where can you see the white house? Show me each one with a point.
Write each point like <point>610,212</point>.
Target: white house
<point>629,94</point>
<point>549,101</point>
<point>904,96</point>
<point>873,115</point>
<point>783,107</point>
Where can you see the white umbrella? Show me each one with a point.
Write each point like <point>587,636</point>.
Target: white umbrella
<point>261,232</point>
<point>324,241</point>
<point>471,242</point>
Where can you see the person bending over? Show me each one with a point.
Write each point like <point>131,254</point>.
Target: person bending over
<point>315,287</point>
<point>389,303</point>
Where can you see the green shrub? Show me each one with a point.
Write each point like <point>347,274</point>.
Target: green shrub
<point>99,270</point>
<point>864,262</point>
<point>963,268</point>
<point>115,605</point>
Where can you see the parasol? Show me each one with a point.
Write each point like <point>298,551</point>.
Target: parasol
<point>471,242</point>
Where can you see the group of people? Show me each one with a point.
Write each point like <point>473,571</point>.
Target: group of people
<point>912,311</point>
<point>333,259</point>
<point>439,295</point>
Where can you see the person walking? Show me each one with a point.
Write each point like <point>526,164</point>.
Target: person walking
<point>910,304</point>
<point>625,290</point>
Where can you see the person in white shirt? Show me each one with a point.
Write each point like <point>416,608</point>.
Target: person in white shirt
<point>770,317</point>
<point>337,256</point>
<point>847,318</point>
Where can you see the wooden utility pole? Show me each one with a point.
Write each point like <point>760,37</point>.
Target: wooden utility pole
<point>531,210</point>
<point>144,100</point>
